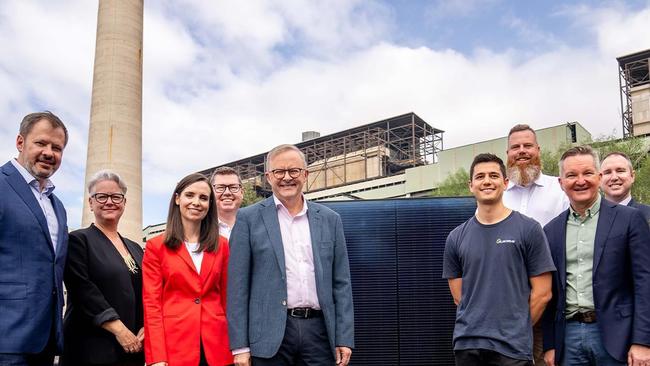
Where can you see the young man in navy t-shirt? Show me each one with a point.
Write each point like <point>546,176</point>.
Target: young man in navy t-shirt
<point>499,269</point>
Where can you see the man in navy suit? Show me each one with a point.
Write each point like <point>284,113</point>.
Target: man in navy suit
<point>289,292</point>
<point>618,178</point>
<point>33,245</point>
<point>600,311</point>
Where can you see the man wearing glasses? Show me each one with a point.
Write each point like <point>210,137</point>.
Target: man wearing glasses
<point>289,291</point>
<point>33,245</point>
<point>228,192</point>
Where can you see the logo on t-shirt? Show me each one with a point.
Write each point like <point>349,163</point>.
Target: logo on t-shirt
<point>505,241</point>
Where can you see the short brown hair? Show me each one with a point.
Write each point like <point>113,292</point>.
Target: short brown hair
<point>621,154</point>
<point>174,234</point>
<point>521,127</point>
<point>224,170</point>
<point>580,150</point>
<point>31,119</point>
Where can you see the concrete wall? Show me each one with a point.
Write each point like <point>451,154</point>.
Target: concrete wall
<point>641,110</point>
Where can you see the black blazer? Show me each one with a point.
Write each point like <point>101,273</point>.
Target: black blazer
<point>645,209</point>
<point>100,288</point>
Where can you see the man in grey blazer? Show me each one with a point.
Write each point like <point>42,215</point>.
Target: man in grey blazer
<point>289,290</point>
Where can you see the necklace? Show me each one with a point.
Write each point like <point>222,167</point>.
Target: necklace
<point>130,263</point>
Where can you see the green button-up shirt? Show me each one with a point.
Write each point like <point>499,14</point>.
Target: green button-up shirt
<point>580,238</point>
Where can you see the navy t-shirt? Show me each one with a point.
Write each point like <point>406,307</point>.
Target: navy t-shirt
<point>495,262</point>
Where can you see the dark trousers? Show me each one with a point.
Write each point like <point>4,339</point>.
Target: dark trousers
<point>43,358</point>
<point>538,344</point>
<point>119,363</point>
<point>483,357</point>
<point>305,343</point>
<point>22,359</point>
<point>203,361</point>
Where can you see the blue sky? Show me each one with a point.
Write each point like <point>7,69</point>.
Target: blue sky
<point>224,80</point>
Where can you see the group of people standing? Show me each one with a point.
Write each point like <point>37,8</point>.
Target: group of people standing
<point>553,253</point>
<point>281,296</point>
<point>270,284</point>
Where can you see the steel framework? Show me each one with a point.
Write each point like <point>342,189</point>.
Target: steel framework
<point>632,71</point>
<point>394,144</point>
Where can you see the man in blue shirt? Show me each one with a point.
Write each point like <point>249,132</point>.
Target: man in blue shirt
<point>499,269</point>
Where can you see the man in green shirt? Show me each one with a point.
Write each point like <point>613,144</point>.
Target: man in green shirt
<point>600,311</point>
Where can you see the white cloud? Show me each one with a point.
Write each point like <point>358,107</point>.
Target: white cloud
<point>226,80</point>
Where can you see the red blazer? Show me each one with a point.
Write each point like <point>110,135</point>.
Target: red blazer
<point>181,307</point>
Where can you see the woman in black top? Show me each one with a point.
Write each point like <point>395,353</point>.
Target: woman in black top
<point>103,320</point>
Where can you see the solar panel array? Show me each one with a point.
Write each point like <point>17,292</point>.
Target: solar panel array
<point>404,314</point>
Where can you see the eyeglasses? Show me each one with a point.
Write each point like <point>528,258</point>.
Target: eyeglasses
<point>103,197</point>
<point>233,188</point>
<point>280,173</point>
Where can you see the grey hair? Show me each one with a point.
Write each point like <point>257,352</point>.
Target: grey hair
<point>103,175</point>
<point>280,149</point>
<point>580,150</point>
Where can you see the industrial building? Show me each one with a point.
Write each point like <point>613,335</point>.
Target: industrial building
<point>634,81</point>
<point>402,156</point>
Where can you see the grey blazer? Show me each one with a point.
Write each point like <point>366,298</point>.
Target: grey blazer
<point>257,289</point>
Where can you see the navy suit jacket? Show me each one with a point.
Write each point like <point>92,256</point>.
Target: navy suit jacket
<point>645,209</point>
<point>31,274</point>
<point>621,280</point>
<point>257,288</point>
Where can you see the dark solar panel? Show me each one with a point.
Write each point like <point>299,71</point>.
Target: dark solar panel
<point>404,314</point>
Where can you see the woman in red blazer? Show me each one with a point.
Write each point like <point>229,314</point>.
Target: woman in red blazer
<point>184,283</point>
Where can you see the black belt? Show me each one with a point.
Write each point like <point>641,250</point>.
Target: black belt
<point>304,313</point>
<point>586,317</point>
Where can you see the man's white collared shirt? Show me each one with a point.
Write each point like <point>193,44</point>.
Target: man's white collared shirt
<point>542,200</point>
<point>224,230</point>
<point>298,257</point>
<point>43,199</point>
<point>626,201</point>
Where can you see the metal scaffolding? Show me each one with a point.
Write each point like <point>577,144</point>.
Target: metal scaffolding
<point>633,71</point>
<point>375,150</point>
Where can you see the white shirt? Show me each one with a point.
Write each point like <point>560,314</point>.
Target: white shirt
<point>197,258</point>
<point>298,257</point>
<point>43,199</point>
<point>626,202</point>
<point>224,230</point>
<point>542,200</point>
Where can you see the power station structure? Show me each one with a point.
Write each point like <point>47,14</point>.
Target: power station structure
<point>398,157</point>
<point>634,82</point>
<point>115,132</point>
<point>354,156</point>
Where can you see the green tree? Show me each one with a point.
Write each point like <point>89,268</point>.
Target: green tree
<point>641,188</point>
<point>250,195</point>
<point>456,184</point>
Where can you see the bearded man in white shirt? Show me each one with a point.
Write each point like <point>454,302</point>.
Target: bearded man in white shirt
<point>532,193</point>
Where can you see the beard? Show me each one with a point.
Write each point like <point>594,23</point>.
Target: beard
<point>524,174</point>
